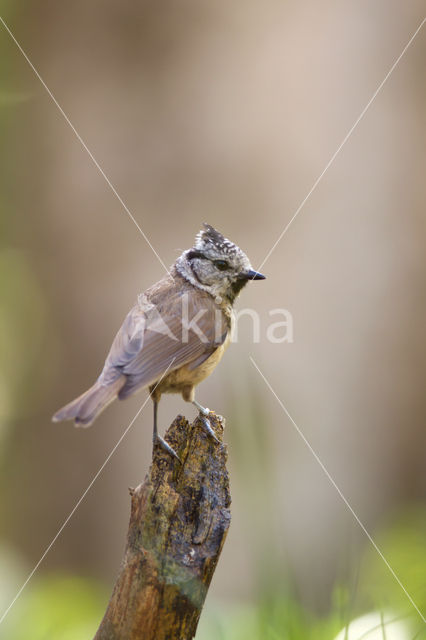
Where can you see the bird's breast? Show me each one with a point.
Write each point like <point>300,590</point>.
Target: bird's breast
<point>186,376</point>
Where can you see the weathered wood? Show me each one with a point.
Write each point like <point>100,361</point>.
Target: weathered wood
<point>179,520</point>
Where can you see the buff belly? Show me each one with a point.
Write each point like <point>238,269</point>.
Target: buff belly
<point>184,379</point>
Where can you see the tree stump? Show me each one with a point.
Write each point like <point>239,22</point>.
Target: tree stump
<point>179,520</point>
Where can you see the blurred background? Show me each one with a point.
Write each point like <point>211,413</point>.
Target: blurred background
<point>224,112</point>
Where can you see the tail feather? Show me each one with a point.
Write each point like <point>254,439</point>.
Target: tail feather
<point>84,409</point>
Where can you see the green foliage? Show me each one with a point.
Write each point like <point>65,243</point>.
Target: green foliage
<point>378,593</point>
<point>281,618</point>
<point>70,608</point>
<point>56,608</point>
<point>403,543</point>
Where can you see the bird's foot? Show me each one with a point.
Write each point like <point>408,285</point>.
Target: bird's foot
<point>159,441</point>
<point>204,412</point>
<point>208,428</point>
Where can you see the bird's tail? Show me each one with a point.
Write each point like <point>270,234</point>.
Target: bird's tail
<point>84,409</point>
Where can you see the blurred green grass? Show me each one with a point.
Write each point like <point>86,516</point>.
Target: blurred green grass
<point>67,607</point>
<point>56,608</point>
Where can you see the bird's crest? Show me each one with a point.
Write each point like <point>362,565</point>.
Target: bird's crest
<point>209,237</point>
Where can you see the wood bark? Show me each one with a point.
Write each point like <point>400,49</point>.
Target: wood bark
<point>179,520</point>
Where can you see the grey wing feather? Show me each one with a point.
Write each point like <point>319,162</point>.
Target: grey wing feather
<point>126,345</point>
<point>152,340</point>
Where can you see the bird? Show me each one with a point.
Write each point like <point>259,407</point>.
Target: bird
<point>175,335</point>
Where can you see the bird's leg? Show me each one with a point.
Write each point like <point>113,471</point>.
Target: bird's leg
<point>204,419</point>
<point>158,440</point>
<point>203,410</point>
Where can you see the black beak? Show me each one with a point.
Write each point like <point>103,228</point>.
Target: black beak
<point>254,275</point>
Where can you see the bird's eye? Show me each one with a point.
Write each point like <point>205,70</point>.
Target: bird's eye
<point>222,265</point>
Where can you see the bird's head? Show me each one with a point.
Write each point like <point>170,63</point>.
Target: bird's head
<point>217,265</point>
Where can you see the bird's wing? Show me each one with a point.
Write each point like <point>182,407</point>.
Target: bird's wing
<point>180,328</point>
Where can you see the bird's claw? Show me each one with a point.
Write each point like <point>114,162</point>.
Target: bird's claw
<point>203,410</point>
<point>208,428</point>
<point>159,441</point>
